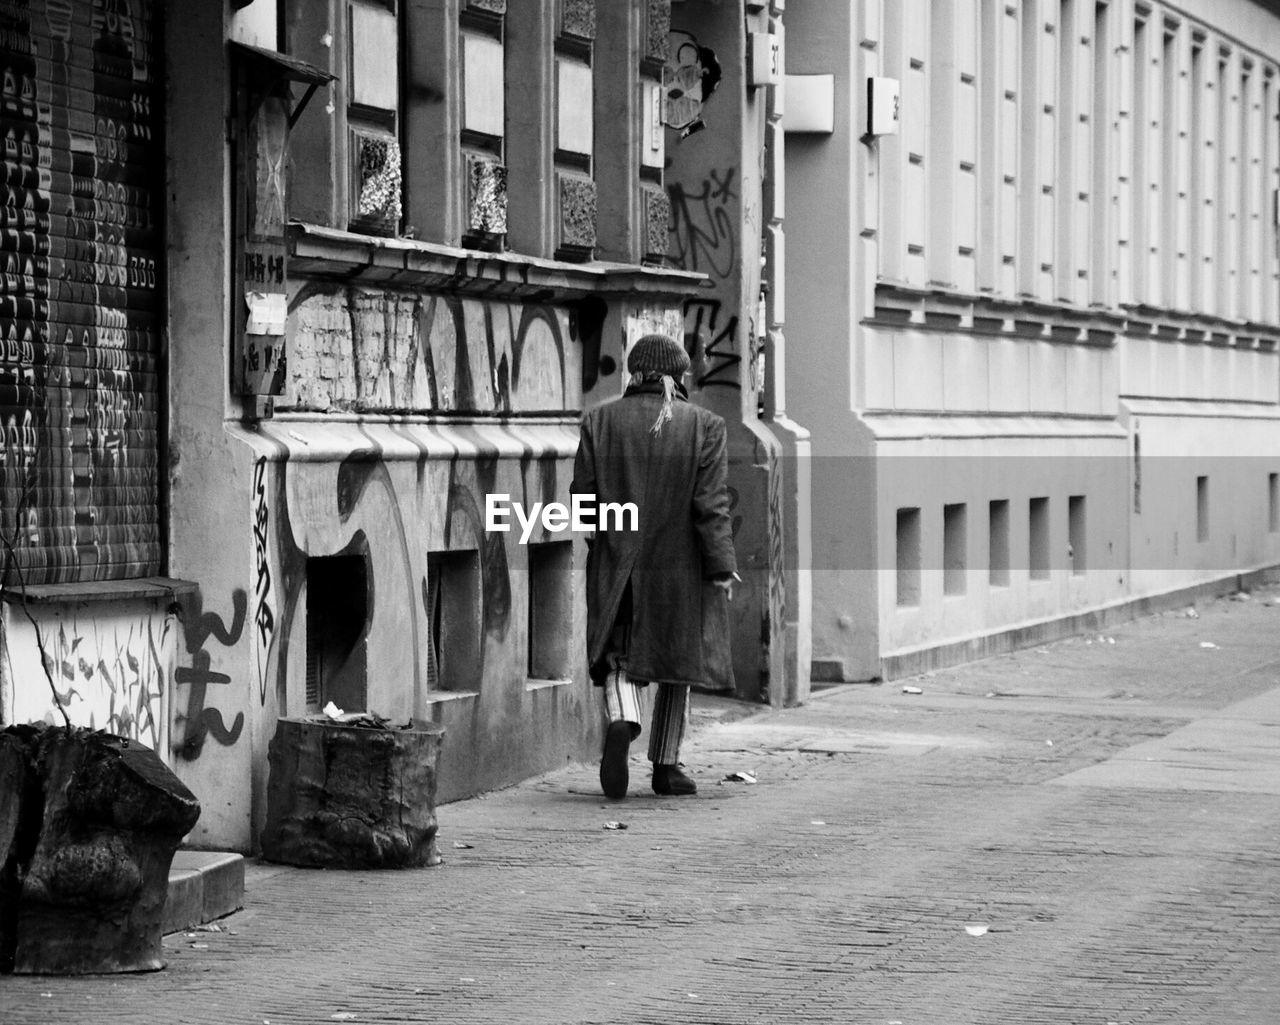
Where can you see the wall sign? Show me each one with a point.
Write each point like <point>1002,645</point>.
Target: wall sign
<point>265,113</point>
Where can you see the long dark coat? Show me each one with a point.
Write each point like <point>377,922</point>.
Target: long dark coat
<point>677,480</point>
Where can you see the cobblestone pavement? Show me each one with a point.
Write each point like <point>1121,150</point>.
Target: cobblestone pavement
<point>884,830</point>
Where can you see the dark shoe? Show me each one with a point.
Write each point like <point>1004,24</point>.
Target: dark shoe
<point>669,781</point>
<point>613,764</point>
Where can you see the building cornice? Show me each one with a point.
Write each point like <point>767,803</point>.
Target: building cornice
<point>940,309</point>
<point>328,253</point>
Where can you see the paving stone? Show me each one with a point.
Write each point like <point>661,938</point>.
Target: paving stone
<point>837,888</point>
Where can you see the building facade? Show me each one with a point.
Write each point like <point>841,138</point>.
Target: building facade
<point>294,287</point>
<point>1038,299</point>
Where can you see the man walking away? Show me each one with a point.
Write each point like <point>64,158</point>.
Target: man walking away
<point>656,595</point>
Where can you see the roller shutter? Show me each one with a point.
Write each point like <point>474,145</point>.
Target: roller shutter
<point>80,299</point>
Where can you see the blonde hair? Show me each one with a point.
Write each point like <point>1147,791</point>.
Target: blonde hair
<point>668,395</point>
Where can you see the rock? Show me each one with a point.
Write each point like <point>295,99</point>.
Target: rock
<point>347,796</point>
<point>89,823</point>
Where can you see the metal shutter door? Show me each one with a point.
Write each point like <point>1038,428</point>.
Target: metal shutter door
<point>80,307</point>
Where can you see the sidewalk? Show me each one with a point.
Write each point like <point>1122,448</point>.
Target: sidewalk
<point>1083,832</point>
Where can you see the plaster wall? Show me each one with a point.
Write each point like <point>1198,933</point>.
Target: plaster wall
<point>393,494</point>
<point>981,590</point>
<point>715,181</point>
<point>828,255</point>
<point>922,394</point>
<point>214,727</point>
<point>112,666</point>
<point>1176,539</point>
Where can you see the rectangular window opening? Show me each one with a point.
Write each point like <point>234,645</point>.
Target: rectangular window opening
<point>1141,178</point>
<point>337,629</point>
<point>954,548</point>
<point>1039,538</point>
<point>454,621</point>
<point>998,542</point>
<point>1077,534</point>
<point>550,610</point>
<point>1103,248</point>
<point>908,545</point>
<point>1273,502</point>
<point>1169,171</point>
<point>1202,509</point>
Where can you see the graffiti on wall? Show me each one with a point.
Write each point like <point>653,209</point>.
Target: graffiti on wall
<point>78,292</point>
<point>369,351</point>
<point>109,673</point>
<point>692,74</point>
<point>711,340</point>
<point>704,236</point>
<point>395,511</point>
<point>200,718</point>
<point>264,619</point>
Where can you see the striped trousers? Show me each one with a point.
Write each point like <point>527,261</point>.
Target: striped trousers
<point>625,701</point>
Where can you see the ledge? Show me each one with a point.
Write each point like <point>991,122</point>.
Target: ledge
<point>936,308</point>
<point>155,588</point>
<point>320,252</point>
<point>533,683</point>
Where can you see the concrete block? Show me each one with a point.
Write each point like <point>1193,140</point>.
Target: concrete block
<point>184,904</point>
<point>203,886</point>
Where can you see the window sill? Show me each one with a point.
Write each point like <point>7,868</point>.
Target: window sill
<point>537,683</point>
<point>144,588</point>
<point>317,251</point>
<point>441,697</point>
<point>943,308</point>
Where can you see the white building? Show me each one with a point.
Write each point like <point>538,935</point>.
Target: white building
<point>1039,313</point>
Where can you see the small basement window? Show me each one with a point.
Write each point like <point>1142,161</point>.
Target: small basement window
<point>955,548</point>
<point>908,556</point>
<point>1077,533</point>
<point>1202,509</point>
<point>337,628</point>
<point>550,610</point>
<point>454,618</point>
<point>1038,516</point>
<point>998,542</point>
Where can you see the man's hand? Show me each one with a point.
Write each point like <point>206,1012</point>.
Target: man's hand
<point>725,582</point>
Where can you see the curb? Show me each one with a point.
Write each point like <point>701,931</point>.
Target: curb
<point>203,885</point>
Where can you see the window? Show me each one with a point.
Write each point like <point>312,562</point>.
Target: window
<point>550,610</point>
<point>998,542</point>
<point>1202,509</point>
<point>1141,179</point>
<point>453,612</point>
<point>337,624</point>
<point>483,124</point>
<point>1102,251</point>
<point>908,556</point>
<point>1202,155</point>
<point>1077,534</point>
<point>488,124</point>
<point>1273,502</point>
<point>345,154</point>
<point>575,134</point>
<point>1039,538</point>
<point>954,548</point>
<point>1039,93</point>
<point>373,131</point>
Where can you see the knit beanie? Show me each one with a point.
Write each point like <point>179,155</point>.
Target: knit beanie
<point>658,354</point>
